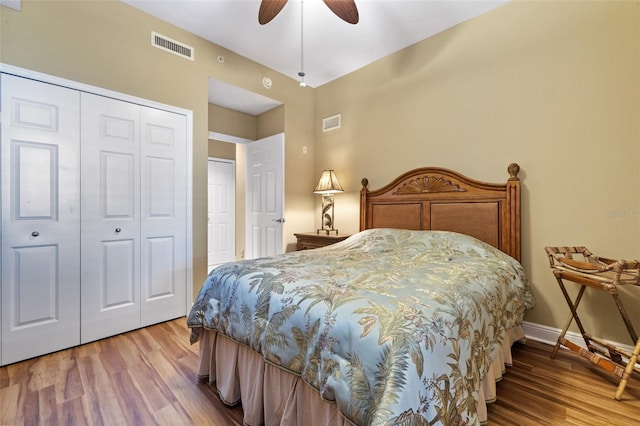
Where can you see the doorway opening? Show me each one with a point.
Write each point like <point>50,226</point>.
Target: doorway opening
<point>239,119</point>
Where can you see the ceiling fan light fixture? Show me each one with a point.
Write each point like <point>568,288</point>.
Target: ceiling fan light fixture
<point>344,9</point>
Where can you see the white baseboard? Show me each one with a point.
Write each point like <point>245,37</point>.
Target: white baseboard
<point>549,335</point>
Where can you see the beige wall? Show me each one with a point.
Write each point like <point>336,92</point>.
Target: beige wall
<point>232,123</point>
<point>106,44</point>
<point>270,123</point>
<point>219,149</point>
<point>551,85</point>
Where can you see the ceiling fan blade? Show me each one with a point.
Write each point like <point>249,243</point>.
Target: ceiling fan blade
<point>345,9</point>
<point>269,9</point>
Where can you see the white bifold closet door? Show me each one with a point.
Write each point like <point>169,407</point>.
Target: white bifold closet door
<point>163,208</point>
<point>94,217</point>
<point>133,190</point>
<point>110,189</point>
<point>40,218</point>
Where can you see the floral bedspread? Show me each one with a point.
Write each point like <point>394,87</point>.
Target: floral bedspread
<point>398,327</point>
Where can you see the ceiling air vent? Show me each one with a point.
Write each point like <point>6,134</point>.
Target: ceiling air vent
<point>331,123</point>
<point>172,46</point>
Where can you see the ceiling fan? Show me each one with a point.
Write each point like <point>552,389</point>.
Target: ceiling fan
<point>344,9</point>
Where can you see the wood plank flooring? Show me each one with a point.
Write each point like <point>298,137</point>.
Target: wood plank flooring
<point>567,390</point>
<point>147,377</point>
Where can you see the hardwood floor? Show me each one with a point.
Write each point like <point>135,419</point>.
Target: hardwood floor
<point>144,377</point>
<point>567,390</point>
<point>147,377</point>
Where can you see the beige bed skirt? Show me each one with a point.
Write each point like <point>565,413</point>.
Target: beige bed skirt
<point>272,396</point>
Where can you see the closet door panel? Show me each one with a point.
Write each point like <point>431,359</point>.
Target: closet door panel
<point>40,218</point>
<point>163,209</point>
<point>110,188</point>
<point>117,280</point>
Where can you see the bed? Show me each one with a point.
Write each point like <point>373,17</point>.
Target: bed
<point>408,322</point>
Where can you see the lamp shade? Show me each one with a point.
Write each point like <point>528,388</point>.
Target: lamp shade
<point>328,183</point>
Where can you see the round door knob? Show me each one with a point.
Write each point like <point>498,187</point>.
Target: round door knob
<point>118,230</point>
<point>35,233</point>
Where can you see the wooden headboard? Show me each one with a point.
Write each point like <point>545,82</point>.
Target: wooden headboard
<point>441,199</point>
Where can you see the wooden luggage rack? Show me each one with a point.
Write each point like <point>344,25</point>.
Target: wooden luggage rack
<point>604,275</point>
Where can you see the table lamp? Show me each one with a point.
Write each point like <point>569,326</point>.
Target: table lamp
<point>327,186</point>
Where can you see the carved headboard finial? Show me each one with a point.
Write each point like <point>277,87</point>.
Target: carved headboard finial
<point>364,182</point>
<point>513,170</point>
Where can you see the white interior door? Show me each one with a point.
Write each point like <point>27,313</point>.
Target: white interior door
<point>110,188</point>
<point>40,218</point>
<point>163,215</point>
<point>221,212</point>
<point>265,196</point>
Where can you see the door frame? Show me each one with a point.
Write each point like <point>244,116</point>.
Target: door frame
<point>46,78</point>
<point>241,185</point>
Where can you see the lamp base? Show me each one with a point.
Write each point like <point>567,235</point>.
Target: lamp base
<point>327,231</point>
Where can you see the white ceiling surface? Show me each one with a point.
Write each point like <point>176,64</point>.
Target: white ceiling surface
<point>332,48</point>
<point>239,99</point>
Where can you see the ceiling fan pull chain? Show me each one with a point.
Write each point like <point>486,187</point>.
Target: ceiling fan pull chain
<point>301,74</point>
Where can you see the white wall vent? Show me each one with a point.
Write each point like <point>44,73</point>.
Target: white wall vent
<point>331,123</point>
<point>172,46</point>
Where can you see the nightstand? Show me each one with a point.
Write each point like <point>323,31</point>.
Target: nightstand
<point>311,240</point>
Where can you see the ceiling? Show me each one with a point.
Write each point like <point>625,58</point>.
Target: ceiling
<point>331,47</point>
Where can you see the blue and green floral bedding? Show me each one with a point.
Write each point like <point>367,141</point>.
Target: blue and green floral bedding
<point>398,327</point>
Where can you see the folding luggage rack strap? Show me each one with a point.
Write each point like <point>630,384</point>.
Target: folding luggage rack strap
<point>604,275</point>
